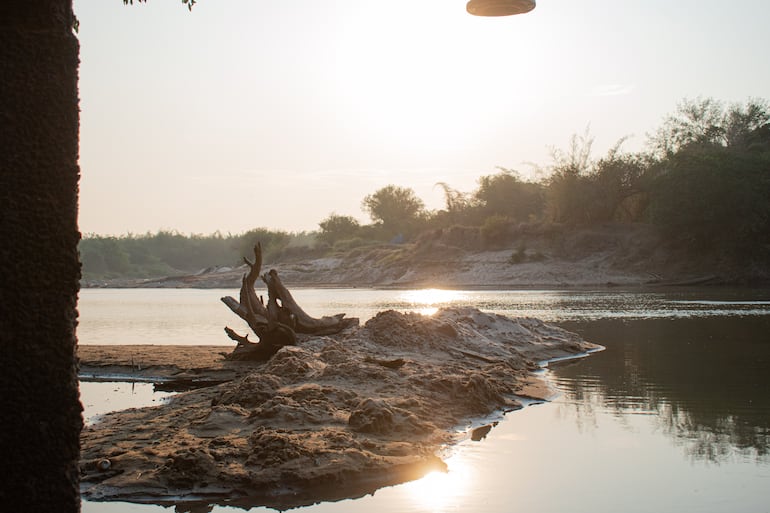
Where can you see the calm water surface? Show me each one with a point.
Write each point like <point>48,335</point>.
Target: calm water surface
<point>198,317</point>
<point>673,416</point>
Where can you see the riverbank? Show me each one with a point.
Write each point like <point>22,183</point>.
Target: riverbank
<point>331,418</point>
<point>612,255</point>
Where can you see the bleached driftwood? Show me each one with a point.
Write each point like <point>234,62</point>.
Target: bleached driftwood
<point>276,323</point>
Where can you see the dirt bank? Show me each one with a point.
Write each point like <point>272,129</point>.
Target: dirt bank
<point>332,418</point>
<point>537,257</point>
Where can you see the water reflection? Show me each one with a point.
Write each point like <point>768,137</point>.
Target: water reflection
<point>440,491</point>
<point>704,380</point>
<point>428,301</point>
<point>673,416</point>
<point>100,397</point>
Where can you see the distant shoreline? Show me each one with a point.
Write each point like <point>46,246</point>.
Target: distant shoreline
<point>609,256</point>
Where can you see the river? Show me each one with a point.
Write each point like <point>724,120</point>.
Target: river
<point>673,416</point>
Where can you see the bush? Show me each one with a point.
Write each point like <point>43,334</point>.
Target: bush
<point>496,231</point>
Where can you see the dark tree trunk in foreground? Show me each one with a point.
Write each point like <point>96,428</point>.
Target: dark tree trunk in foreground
<point>41,414</point>
<point>277,323</point>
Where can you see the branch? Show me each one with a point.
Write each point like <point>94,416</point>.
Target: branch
<point>304,323</point>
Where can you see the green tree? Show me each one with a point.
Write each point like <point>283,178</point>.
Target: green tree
<point>694,122</point>
<point>115,257</point>
<point>712,179</point>
<point>746,125</point>
<point>715,199</point>
<point>397,209</point>
<point>568,191</point>
<point>612,182</point>
<point>273,243</point>
<point>706,122</point>
<point>457,203</point>
<point>336,227</point>
<point>505,194</point>
<point>92,258</point>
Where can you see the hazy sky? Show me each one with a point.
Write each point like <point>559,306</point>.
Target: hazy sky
<point>257,113</point>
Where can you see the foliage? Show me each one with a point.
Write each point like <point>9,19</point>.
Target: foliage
<point>273,243</point>
<point>711,186</point>
<point>458,204</point>
<point>706,122</point>
<point>585,191</point>
<point>505,194</point>
<point>715,199</point>
<point>168,252</point>
<point>496,231</point>
<point>612,181</point>
<point>336,227</point>
<point>397,209</point>
<point>567,188</point>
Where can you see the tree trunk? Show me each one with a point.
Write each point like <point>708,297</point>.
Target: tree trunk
<point>38,255</point>
<point>276,323</point>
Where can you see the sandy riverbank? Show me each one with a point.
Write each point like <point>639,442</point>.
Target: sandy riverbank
<point>563,257</point>
<point>332,418</point>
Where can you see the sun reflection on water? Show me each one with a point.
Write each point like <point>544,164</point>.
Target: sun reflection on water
<point>438,491</point>
<point>428,301</point>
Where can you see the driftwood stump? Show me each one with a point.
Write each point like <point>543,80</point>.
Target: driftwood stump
<point>277,323</point>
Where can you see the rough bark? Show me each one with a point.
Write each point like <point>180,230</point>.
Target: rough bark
<point>39,439</point>
<point>304,323</point>
<point>276,323</point>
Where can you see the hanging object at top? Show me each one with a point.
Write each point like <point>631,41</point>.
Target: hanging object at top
<point>499,7</point>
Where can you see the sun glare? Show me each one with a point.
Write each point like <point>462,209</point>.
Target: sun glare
<point>428,301</point>
<point>440,491</point>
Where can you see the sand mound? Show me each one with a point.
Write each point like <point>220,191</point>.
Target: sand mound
<point>334,417</point>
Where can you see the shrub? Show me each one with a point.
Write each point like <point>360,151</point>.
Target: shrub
<point>496,231</point>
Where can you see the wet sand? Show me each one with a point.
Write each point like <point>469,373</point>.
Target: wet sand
<point>334,417</point>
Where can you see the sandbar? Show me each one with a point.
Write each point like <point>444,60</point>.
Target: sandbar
<point>331,418</point>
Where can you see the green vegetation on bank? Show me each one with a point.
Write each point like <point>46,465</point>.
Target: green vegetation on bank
<point>703,181</point>
<point>168,253</point>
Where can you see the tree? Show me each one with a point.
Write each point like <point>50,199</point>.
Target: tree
<point>715,199</point>
<point>567,193</point>
<point>397,209</point>
<point>705,122</point>
<point>38,227</point>
<point>712,180</point>
<point>336,227</point>
<point>272,241</point>
<point>456,201</point>
<point>694,122</point>
<point>745,124</point>
<point>505,194</point>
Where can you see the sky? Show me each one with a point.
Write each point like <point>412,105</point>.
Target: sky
<point>277,113</point>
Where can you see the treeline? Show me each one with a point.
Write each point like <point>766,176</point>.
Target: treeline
<point>167,253</point>
<point>703,180</point>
